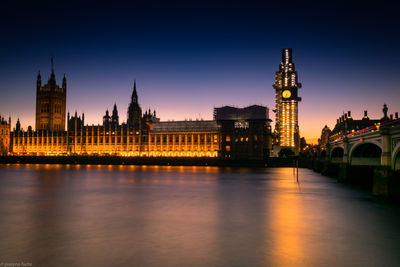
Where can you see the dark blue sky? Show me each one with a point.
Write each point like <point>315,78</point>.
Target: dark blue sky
<point>188,57</point>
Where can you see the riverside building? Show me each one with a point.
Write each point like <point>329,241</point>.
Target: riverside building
<point>238,133</point>
<point>245,132</point>
<point>143,135</point>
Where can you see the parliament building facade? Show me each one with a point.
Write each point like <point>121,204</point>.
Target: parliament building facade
<point>234,132</point>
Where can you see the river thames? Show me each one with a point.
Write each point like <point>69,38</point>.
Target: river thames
<point>61,215</point>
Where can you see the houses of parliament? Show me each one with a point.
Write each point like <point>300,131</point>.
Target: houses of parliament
<point>233,133</point>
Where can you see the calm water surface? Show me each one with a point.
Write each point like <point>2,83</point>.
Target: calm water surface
<point>54,215</point>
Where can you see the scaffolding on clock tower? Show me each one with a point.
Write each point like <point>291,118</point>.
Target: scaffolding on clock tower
<point>287,136</point>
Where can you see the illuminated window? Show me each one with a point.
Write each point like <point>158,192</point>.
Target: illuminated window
<point>227,138</point>
<point>241,124</point>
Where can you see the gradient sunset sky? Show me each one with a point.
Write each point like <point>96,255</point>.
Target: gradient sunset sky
<point>188,57</point>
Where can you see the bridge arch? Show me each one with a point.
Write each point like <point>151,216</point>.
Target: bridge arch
<point>323,154</point>
<point>337,152</point>
<point>366,153</point>
<point>396,157</point>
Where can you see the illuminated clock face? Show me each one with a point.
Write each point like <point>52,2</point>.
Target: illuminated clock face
<point>286,94</point>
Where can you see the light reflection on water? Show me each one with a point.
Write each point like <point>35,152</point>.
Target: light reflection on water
<point>77,215</point>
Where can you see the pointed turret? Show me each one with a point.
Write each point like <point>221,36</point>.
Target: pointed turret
<point>38,81</point>
<point>18,125</point>
<point>365,115</point>
<point>106,119</point>
<point>52,80</point>
<point>115,117</point>
<point>64,83</point>
<point>134,110</point>
<point>134,97</point>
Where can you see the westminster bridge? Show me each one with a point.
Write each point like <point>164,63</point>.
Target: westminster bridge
<point>370,153</point>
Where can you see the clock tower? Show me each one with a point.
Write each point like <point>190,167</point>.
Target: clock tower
<point>286,100</point>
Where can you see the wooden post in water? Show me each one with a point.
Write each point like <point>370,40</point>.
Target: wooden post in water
<point>294,166</point>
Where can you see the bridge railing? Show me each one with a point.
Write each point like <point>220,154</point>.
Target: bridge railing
<point>372,128</point>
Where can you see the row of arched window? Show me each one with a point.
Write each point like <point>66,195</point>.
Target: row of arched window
<point>45,107</point>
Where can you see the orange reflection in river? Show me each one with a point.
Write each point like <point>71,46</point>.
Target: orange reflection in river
<point>287,225</point>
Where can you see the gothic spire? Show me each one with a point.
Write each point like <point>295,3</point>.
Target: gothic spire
<point>39,81</point>
<point>134,94</point>
<point>115,111</point>
<point>52,79</point>
<point>52,65</point>
<point>64,82</point>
